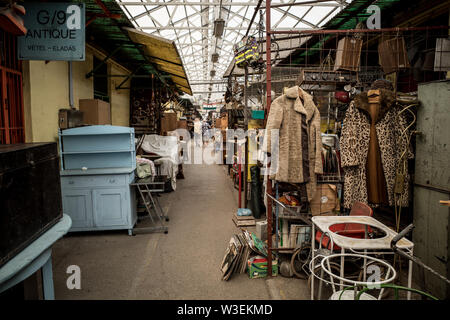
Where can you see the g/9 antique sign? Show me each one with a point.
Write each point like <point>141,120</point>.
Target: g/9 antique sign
<point>55,31</point>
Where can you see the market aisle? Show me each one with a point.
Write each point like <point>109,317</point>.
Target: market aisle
<point>183,264</point>
<point>187,260</point>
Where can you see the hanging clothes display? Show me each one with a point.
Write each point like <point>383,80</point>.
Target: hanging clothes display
<point>297,118</point>
<point>371,145</point>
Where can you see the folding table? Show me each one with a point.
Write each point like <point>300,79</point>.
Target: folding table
<point>323,223</point>
<point>147,187</point>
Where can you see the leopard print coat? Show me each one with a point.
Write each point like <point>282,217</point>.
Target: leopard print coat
<point>354,145</point>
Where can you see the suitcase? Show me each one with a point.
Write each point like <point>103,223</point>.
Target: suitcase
<point>30,195</point>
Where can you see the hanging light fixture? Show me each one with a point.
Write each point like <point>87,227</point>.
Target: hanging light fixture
<point>219,25</point>
<point>215,57</point>
<point>212,73</point>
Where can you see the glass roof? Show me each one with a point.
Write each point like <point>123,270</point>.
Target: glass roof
<point>190,23</point>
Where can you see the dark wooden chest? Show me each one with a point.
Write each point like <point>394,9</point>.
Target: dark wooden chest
<point>30,195</point>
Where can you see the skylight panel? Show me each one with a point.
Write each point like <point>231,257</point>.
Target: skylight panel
<point>145,21</point>
<point>149,8</point>
<point>161,16</point>
<point>332,14</point>
<point>190,10</point>
<point>179,13</point>
<point>136,10</point>
<point>287,22</point>
<point>275,16</point>
<point>298,11</point>
<point>317,13</point>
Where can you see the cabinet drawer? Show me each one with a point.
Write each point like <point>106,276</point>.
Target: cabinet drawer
<point>93,181</point>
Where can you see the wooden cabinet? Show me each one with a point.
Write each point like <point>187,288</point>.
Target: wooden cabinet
<point>110,207</point>
<point>94,206</point>
<point>98,164</point>
<point>77,204</point>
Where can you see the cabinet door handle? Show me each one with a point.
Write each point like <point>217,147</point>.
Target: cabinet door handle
<point>112,180</point>
<point>71,182</point>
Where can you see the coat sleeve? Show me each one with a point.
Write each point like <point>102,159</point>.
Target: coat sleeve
<point>274,120</point>
<point>315,124</point>
<point>348,143</point>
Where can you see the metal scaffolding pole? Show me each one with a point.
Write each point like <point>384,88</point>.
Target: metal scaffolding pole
<point>246,139</point>
<point>269,100</point>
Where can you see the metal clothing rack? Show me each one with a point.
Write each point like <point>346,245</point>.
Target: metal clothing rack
<point>147,187</point>
<point>269,34</point>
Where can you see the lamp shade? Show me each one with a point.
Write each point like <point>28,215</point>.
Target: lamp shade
<point>219,26</point>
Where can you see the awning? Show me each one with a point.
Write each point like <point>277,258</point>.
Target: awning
<point>164,54</point>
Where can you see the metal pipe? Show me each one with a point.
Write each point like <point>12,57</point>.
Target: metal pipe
<point>416,260</point>
<point>253,17</point>
<point>240,182</point>
<point>431,187</point>
<point>268,101</point>
<point>305,3</point>
<point>345,31</point>
<point>72,106</point>
<point>246,138</point>
<point>224,4</point>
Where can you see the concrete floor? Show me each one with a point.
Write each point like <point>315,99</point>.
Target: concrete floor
<point>183,264</point>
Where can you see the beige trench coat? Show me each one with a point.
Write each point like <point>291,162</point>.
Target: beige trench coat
<point>286,113</point>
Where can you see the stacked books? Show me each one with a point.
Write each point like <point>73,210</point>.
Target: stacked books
<point>243,218</point>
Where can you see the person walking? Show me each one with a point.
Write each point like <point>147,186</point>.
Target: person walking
<point>206,134</point>
<point>198,132</point>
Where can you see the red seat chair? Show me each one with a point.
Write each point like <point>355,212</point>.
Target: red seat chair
<point>353,230</point>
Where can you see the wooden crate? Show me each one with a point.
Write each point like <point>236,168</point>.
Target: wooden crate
<point>348,54</point>
<point>392,55</point>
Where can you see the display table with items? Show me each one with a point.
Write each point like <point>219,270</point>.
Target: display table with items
<point>97,167</point>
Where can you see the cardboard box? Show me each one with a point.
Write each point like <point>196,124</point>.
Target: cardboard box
<point>348,54</point>
<point>70,118</point>
<point>257,267</point>
<point>95,111</point>
<point>168,122</point>
<point>325,200</point>
<point>392,55</point>
<point>261,230</point>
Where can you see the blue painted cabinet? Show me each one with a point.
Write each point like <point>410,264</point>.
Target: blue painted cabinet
<point>77,204</point>
<point>98,164</point>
